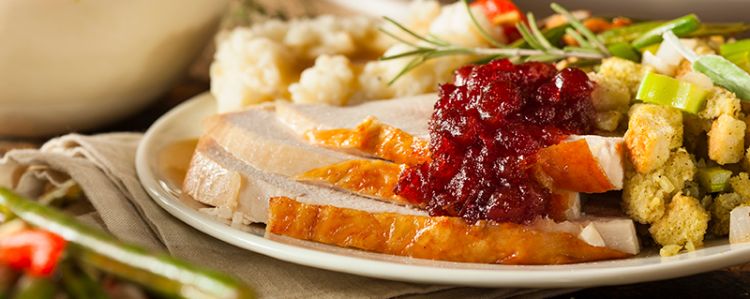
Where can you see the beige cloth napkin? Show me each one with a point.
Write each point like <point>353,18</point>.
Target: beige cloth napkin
<point>103,165</point>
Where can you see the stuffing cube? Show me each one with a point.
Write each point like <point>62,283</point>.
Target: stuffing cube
<point>645,195</point>
<point>608,121</point>
<point>741,184</point>
<point>684,223</point>
<point>720,102</point>
<point>726,140</point>
<point>623,70</point>
<point>609,94</point>
<point>653,131</point>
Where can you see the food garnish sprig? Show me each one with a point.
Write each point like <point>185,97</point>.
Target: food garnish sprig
<point>429,47</point>
<point>625,42</point>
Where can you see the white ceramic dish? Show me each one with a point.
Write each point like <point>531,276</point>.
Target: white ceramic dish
<point>74,65</point>
<point>184,122</point>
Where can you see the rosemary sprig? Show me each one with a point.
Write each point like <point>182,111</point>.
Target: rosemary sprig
<point>408,31</point>
<point>573,21</point>
<point>426,47</point>
<point>578,38</point>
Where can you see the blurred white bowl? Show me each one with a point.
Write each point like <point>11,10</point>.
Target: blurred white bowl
<point>73,65</point>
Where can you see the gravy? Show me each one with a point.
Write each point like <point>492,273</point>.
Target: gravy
<point>173,161</point>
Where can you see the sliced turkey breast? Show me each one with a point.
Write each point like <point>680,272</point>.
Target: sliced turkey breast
<point>410,114</point>
<point>218,179</point>
<point>594,164</point>
<point>256,137</point>
<point>442,238</point>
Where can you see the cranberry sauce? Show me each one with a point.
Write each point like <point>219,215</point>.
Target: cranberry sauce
<point>484,133</point>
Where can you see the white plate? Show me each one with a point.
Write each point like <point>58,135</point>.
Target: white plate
<point>184,122</point>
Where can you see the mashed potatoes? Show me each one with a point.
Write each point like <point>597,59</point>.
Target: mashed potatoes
<point>265,62</point>
<point>332,60</point>
<point>330,81</point>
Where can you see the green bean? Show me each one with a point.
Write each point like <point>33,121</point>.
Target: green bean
<point>161,273</point>
<point>740,59</point>
<point>737,47</point>
<point>79,285</point>
<point>724,29</point>
<point>628,33</point>
<point>631,32</point>
<point>8,279</point>
<point>30,287</point>
<point>624,50</point>
<point>680,26</point>
<point>725,74</point>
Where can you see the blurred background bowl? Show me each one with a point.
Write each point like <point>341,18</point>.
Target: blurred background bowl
<point>74,65</point>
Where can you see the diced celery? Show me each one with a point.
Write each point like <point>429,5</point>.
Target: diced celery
<point>740,46</point>
<point>668,91</point>
<point>714,179</point>
<point>624,50</point>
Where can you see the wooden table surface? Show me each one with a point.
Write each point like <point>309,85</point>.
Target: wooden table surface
<point>727,283</point>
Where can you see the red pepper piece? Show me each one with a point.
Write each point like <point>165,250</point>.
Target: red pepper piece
<point>33,250</point>
<point>504,13</point>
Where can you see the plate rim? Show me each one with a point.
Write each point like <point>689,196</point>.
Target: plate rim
<point>543,277</point>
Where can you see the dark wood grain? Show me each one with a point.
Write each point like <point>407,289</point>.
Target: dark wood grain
<point>716,284</point>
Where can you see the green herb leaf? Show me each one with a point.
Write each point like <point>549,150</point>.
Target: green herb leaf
<point>538,33</point>
<point>528,36</point>
<point>579,39</point>
<point>414,34</point>
<point>543,44</point>
<point>590,36</point>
